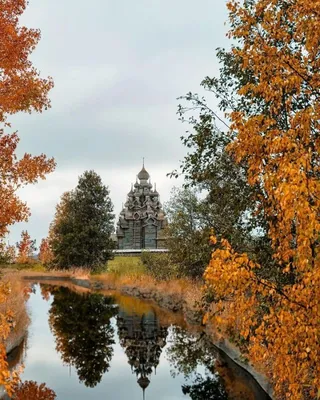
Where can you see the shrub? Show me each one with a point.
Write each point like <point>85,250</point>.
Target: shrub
<point>130,266</point>
<point>159,265</point>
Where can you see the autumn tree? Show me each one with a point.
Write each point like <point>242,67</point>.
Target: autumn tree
<point>274,131</point>
<point>21,89</point>
<point>80,234</point>
<point>7,253</point>
<point>15,174</point>
<point>45,252</point>
<point>26,248</point>
<point>30,390</point>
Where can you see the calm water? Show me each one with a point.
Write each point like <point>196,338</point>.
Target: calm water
<point>98,346</point>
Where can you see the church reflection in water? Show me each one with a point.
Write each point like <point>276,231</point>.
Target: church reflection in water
<point>142,338</point>
<point>84,335</point>
<point>85,327</point>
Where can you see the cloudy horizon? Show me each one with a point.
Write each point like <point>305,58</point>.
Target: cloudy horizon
<point>118,69</point>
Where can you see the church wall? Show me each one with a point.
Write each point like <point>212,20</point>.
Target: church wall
<point>150,236</point>
<point>136,234</point>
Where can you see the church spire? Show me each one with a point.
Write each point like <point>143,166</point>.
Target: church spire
<point>143,382</point>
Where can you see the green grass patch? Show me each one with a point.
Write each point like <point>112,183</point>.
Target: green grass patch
<point>123,265</point>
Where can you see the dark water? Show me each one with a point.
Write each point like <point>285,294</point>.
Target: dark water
<point>98,346</point>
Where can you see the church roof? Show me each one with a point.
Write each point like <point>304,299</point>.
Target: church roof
<point>131,193</point>
<point>143,174</point>
<point>143,382</point>
<point>155,192</point>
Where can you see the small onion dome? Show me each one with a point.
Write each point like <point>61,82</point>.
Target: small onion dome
<point>143,174</point>
<point>143,382</point>
<point>155,193</point>
<point>131,193</point>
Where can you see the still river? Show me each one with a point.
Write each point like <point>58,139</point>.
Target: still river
<point>107,346</point>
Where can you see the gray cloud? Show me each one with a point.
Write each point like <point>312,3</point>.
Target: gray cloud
<point>118,68</point>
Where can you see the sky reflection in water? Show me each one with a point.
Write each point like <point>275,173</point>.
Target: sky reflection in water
<point>105,348</point>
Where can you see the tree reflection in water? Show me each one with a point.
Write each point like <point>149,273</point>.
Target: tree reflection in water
<point>84,338</point>
<point>142,339</point>
<point>208,388</point>
<point>83,333</point>
<point>185,355</point>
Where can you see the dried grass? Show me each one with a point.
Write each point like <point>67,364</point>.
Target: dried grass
<point>79,273</point>
<point>129,272</point>
<point>185,290</point>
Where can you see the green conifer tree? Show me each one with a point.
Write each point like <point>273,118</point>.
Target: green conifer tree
<point>80,235</point>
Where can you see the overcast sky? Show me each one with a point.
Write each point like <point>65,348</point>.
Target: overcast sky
<point>118,67</point>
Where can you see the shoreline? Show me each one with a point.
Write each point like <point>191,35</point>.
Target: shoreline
<point>174,302</point>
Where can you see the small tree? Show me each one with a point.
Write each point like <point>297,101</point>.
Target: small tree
<point>26,247</point>
<point>83,223</point>
<point>188,232</point>
<point>45,252</point>
<point>7,253</point>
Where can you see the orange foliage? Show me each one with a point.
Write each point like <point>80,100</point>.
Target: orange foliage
<point>7,379</point>
<point>25,247</point>
<point>15,174</point>
<point>280,143</point>
<point>21,88</point>
<point>45,254</point>
<point>30,390</point>
<point>7,253</point>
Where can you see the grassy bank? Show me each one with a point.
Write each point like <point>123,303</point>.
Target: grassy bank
<point>126,274</point>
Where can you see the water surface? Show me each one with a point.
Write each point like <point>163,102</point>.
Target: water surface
<point>98,346</point>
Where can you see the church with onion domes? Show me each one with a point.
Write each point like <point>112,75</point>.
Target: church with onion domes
<point>142,219</point>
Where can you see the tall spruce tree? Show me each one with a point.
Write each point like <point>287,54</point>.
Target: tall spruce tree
<point>80,234</point>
